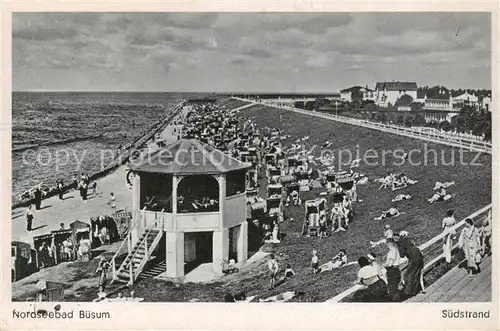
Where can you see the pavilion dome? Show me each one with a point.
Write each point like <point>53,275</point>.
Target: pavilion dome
<point>189,157</point>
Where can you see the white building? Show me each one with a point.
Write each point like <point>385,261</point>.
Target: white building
<point>352,93</point>
<point>387,93</point>
<point>486,103</point>
<point>465,99</point>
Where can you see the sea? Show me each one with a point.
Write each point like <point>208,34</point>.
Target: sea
<point>58,134</point>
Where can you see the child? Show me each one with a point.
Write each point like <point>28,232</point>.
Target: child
<point>273,266</point>
<point>314,262</point>
<point>288,272</point>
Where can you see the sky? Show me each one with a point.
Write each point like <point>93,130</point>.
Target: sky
<point>247,52</point>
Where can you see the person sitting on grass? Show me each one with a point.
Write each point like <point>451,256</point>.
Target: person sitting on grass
<point>441,195</point>
<point>337,216</point>
<point>400,182</point>
<point>388,233</point>
<point>295,198</point>
<point>282,297</point>
<point>392,212</point>
<point>386,181</point>
<point>382,272</point>
<point>401,197</point>
<point>338,261</point>
<point>289,273</point>
<point>440,185</point>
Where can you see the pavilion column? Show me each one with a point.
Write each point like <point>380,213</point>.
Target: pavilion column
<point>175,254</point>
<point>136,208</point>
<point>222,199</point>
<point>242,243</point>
<point>220,249</point>
<point>175,183</point>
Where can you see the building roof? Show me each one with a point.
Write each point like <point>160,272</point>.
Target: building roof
<point>351,89</point>
<point>189,157</point>
<point>396,86</point>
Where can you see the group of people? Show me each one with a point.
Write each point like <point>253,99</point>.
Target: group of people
<point>83,185</point>
<point>474,240</point>
<point>396,181</point>
<point>382,281</point>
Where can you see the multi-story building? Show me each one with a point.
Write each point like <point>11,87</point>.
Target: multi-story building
<point>387,93</point>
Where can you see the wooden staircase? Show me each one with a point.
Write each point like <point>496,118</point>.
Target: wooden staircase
<point>154,271</point>
<point>137,256</point>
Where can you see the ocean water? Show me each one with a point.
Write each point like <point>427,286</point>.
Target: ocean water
<point>55,135</point>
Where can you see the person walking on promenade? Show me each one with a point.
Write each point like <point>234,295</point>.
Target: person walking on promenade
<point>38,198</point>
<point>112,202</point>
<point>75,181</point>
<point>85,189</point>
<point>448,224</point>
<point>412,275</point>
<point>486,235</point>
<point>60,189</point>
<point>469,242</point>
<point>94,188</point>
<point>29,218</point>
<point>393,272</point>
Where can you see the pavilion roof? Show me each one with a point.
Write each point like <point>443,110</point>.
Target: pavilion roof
<point>189,157</point>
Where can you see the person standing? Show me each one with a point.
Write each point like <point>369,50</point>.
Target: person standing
<point>94,188</point>
<point>448,224</point>
<point>314,262</point>
<point>60,188</point>
<point>486,235</point>
<point>393,272</point>
<point>413,273</point>
<point>469,242</point>
<point>273,266</point>
<point>44,255</point>
<point>75,181</point>
<point>38,198</point>
<point>112,202</point>
<point>85,189</point>
<point>102,271</point>
<point>68,249</point>
<point>29,218</point>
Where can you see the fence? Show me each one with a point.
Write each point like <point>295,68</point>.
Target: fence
<point>432,251</point>
<point>416,133</point>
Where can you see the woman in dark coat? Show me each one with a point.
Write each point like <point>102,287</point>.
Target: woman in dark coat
<point>413,271</point>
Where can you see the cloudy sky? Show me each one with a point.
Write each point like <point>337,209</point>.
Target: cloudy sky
<point>308,52</point>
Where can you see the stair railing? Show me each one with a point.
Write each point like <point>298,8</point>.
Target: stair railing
<point>128,240</point>
<point>144,241</point>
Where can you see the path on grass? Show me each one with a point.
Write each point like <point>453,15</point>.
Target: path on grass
<point>460,142</point>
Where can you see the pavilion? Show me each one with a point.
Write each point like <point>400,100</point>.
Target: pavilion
<point>196,195</point>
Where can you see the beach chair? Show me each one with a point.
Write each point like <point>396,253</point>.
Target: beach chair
<point>274,206</point>
<point>311,219</point>
<point>275,190</point>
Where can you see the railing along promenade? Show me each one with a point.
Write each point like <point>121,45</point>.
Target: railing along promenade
<point>432,251</point>
<point>467,143</point>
